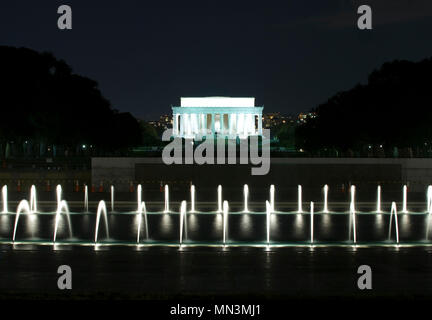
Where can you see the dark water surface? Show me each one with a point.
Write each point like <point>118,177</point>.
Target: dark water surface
<point>166,272</point>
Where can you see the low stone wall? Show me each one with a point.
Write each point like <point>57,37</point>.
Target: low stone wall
<point>309,172</point>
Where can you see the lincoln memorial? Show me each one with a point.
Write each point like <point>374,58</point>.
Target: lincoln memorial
<point>217,117</point>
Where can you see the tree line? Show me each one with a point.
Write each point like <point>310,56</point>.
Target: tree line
<point>391,112</point>
<point>44,105</point>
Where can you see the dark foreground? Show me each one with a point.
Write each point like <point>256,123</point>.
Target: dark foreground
<point>158,278</point>
<point>166,273</point>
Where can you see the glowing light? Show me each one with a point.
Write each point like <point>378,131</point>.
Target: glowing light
<point>225,222</point>
<point>353,214</point>
<point>311,222</point>
<point>182,219</point>
<point>86,198</point>
<point>394,212</point>
<point>101,210</point>
<point>23,206</point>
<point>378,208</point>
<point>272,192</point>
<point>219,192</point>
<point>429,199</point>
<point>142,211</point>
<point>166,209</point>
<point>245,197</point>
<point>4,199</point>
<point>217,102</point>
<point>299,194</point>
<point>192,193</point>
<point>326,199</point>
<point>63,208</point>
<point>139,196</point>
<point>404,201</point>
<point>268,212</point>
<point>112,198</point>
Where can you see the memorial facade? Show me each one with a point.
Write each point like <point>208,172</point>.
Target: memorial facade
<point>217,117</point>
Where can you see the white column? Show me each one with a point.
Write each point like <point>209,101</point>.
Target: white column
<point>181,124</point>
<point>195,122</point>
<point>187,124</point>
<point>239,123</point>
<point>174,124</point>
<point>260,124</point>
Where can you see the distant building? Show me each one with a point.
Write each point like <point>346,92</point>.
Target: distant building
<point>272,120</point>
<point>217,116</point>
<point>303,117</point>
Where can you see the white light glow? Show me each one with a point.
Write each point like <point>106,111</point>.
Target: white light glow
<point>217,102</point>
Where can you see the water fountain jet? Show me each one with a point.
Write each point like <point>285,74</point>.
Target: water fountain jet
<point>429,200</point>
<point>139,196</point>
<point>378,208</point>
<point>311,222</point>
<point>245,197</point>
<point>192,192</point>
<point>352,212</point>
<point>101,210</point>
<point>23,206</point>
<point>225,222</point>
<point>268,213</point>
<point>299,194</point>
<point>404,200</point>
<point>166,209</point>
<point>112,198</point>
<point>33,201</point>
<point>326,199</point>
<point>182,219</point>
<point>85,198</point>
<point>394,212</point>
<point>219,193</point>
<point>142,211</point>
<point>4,199</point>
<point>272,192</point>
<point>62,208</point>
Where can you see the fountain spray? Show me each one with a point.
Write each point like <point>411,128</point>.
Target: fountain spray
<point>112,198</point>
<point>272,192</point>
<point>225,222</point>
<point>311,222</point>
<point>245,197</point>
<point>268,213</point>
<point>394,212</point>
<point>353,214</point>
<point>378,209</point>
<point>326,188</point>
<point>166,209</point>
<point>182,218</point>
<point>192,192</point>
<point>300,205</point>
<point>4,199</point>
<point>101,210</point>
<point>23,206</point>
<point>219,194</point>
<point>86,198</point>
<point>404,203</point>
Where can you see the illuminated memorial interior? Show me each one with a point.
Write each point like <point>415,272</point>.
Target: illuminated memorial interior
<point>217,116</point>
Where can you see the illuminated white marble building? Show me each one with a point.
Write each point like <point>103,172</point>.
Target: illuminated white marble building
<point>217,117</point>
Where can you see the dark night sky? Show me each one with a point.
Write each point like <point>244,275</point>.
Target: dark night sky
<point>291,57</point>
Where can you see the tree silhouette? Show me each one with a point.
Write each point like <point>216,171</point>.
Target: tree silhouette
<point>44,102</point>
<point>392,110</point>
